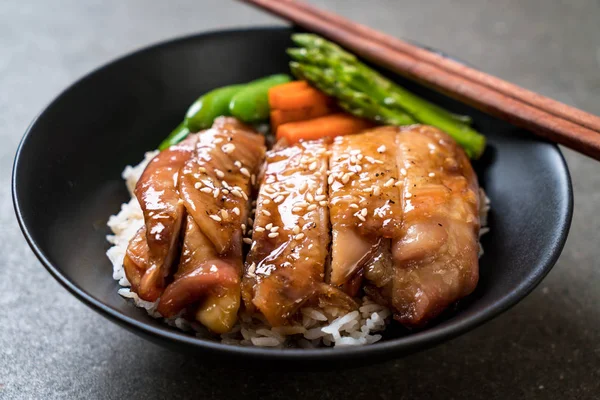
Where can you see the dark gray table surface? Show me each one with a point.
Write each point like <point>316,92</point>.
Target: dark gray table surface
<point>548,346</point>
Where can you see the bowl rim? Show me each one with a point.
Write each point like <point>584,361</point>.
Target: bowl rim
<point>404,344</point>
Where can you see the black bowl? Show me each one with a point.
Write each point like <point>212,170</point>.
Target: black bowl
<point>66,183</point>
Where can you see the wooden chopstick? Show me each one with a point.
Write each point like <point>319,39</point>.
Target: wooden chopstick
<point>549,124</point>
<point>547,104</point>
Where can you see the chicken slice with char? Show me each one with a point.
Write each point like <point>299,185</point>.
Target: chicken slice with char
<point>286,264</point>
<point>215,186</point>
<point>365,202</point>
<point>163,211</point>
<point>435,258</point>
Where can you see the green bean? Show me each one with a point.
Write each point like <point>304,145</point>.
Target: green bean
<point>251,104</point>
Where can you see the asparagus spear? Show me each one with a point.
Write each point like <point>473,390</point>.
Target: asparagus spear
<point>347,72</point>
<point>354,102</point>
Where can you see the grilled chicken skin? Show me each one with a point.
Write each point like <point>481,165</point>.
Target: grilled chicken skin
<point>215,186</point>
<point>163,211</point>
<point>365,202</point>
<point>286,264</point>
<point>433,262</point>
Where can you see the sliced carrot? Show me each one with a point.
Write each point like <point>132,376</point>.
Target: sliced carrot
<point>294,95</point>
<point>279,117</point>
<point>327,126</point>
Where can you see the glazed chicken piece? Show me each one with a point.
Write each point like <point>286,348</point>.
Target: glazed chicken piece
<point>215,186</point>
<point>435,258</point>
<point>286,264</point>
<point>158,197</point>
<point>136,260</point>
<point>366,209</point>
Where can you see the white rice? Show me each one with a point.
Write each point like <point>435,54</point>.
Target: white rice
<point>316,328</point>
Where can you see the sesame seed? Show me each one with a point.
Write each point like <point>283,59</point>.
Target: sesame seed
<point>323,203</point>
<point>368,190</point>
<point>381,149</point>
<point>431,174</point>
<point>228,148</point>
<point>273,235</point>
<point>403,171</point>
<point>279,199</point>
<point>247,240</point>
<point>251,269</point>
<point>250,221</point>
<point>363,212</point>
<point>320,191</point>
<point>236,193</point>
<point>266,201</point>
<point>353,159</point>
<point>312,207</point>
<point>330,179</point>
<point>206,182</point>
<point>265,212</point>
<point>224,214</point>
<point>274,229</point>
<point>312,166</point>
<point>216,192</point>
<point>202,169</point>
<point>253,179</point>
<point>269,226</point>
<point>389,183</point>
<point>220,173</point>
<point>376,191</point>
<point>398,183</point>
<point>236,211</point>
<point>299,236</point>
<point>238,164</point>
<point>310,197</point>
<point>259,229</point>
<point>408,195</point>
<point>297,209</point>
<point>361,217</point>
<point>269,189</point>
<point>197,185</point>
<point>217,141</point>
<point>353,205</point>
<point>296,229</point>
<point>320,197</point>
<point>225,191</point>
<point>303,186</point>
<point>245,172</point>
<point>243,226</point>
<point>244,195</point>
<point>301,204</point>
<point>216,218</point>
<point>355,152</point>
<point>206,190</point>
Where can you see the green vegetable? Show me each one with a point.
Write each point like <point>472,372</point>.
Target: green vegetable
<point>175,137</point>
<point>209,106</point>
<point>251,104</point>
<point>364,92</point>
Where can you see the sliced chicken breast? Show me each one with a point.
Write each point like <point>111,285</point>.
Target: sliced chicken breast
<point>163,211</point>
<point>365,201</point>
<point>286,264</point>
<point>215,186</point>
<point>435,257</point>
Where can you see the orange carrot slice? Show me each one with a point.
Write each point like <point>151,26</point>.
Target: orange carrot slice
<point>327,126</point>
